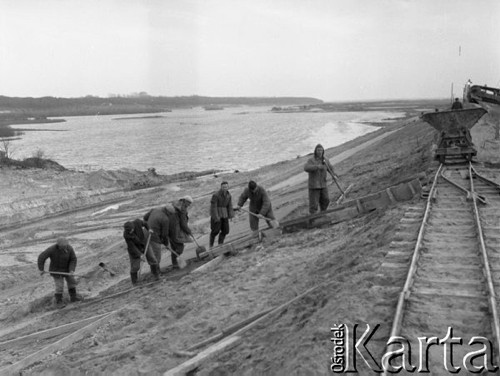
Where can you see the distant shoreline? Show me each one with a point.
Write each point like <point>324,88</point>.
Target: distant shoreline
<point>7,132</point>
<point>140,117</point>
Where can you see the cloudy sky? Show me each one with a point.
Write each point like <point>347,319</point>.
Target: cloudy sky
<point>328,49</point>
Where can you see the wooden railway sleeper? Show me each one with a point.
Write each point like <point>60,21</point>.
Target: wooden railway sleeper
<point>486,266</point>
<point>405,294</point>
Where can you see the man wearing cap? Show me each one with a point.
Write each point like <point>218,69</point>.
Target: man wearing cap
<point>136,234</point>
<point>158,224</point>
<point>180,232</point>
<point>260,204</point>
<point>221,210</point>
<point>62,260</point>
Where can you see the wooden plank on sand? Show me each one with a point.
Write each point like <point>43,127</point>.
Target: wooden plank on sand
<point>62,344</point>
<point>209,265</point>
<point>52,332</point>
<point>191,364</point>
<point>361,205</point>
<point>330,217</point>
<point>199,359</point>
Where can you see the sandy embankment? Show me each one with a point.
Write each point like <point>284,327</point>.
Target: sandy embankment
<point>157,321</point>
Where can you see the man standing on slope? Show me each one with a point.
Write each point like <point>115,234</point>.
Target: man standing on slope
<point>260,204</point>
<point>317,167</point>
<point>136,235</point>
<point>180,232</point>
<point>62,260</point>
<point>158,223</point>
<point>221,211</point>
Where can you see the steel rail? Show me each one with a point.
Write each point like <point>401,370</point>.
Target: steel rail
<point>405,294</point>
<point>465,190</point>
<point>486,180</point>
<point>491,289</point>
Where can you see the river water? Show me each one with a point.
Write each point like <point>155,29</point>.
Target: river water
<point>237,138</point>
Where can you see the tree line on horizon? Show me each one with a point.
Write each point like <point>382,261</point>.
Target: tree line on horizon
<point>55,106</point>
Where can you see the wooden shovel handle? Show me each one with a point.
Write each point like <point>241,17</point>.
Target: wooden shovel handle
<point>260,216</point>
<point>63,273</point>
<point>334,178</point>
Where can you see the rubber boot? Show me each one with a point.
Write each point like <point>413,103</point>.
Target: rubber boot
<point>221,239</point>
<point>155,271</point>
<point>72,295</point>
<point>133,278</point>
<point>59,301</point>
<point>175,264</point>
<point>212,241</point>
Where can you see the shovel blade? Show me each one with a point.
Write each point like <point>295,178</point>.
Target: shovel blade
<point>103,266</point>
<point>344,194</point>
<point>200,250</point>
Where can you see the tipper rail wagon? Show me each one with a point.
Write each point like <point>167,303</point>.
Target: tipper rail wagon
<point>455,140</point>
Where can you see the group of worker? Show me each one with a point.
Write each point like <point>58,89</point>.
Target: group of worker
<point>168,226</point>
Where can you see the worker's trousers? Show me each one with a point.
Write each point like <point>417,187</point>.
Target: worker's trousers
<point>59,282</point>
<point>318,196</point>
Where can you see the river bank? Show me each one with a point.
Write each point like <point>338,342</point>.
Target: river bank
<point>156,322</point>
<point>6,130</point>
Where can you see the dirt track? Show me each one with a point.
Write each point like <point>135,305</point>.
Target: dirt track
<point>156,321</point>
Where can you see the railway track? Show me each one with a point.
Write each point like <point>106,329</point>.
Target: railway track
<point>447,313</point>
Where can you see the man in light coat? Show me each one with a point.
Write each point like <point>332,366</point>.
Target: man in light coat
<point>318,167</point>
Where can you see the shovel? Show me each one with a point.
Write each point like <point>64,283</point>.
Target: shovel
<point>273,222</point>
<point>199,249</point>
<point>342,191</point>
<point>180,261</point>
<point>68,274</point>
<point>103,265</point>
<point>74,275</point>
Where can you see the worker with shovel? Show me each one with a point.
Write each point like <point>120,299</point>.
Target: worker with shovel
<point>221,211</point>
<point>158,224</point>
<point>136,234</point>
<point>63,264</point>
<point>179,231</point>
<point>317,167</point>
<point>260,205</point>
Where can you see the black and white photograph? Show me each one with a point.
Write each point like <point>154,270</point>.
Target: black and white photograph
<point>249,187</point>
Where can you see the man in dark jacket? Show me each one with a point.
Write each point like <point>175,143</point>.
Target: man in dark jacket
<point>260,204</point>
<point>62,260</point>
<point>317,167</point>
<point>180,232</point>
<point>158,224</point>
<point>457,105</point>
<point>136,234</point>
<point>221,210</point>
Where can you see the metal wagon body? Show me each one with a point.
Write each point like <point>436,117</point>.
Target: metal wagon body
<point>454,127</point>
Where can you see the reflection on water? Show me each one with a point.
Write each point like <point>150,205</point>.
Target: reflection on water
<point>241,138</point>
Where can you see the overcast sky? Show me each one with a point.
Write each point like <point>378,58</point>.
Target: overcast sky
<point>328,49</point>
